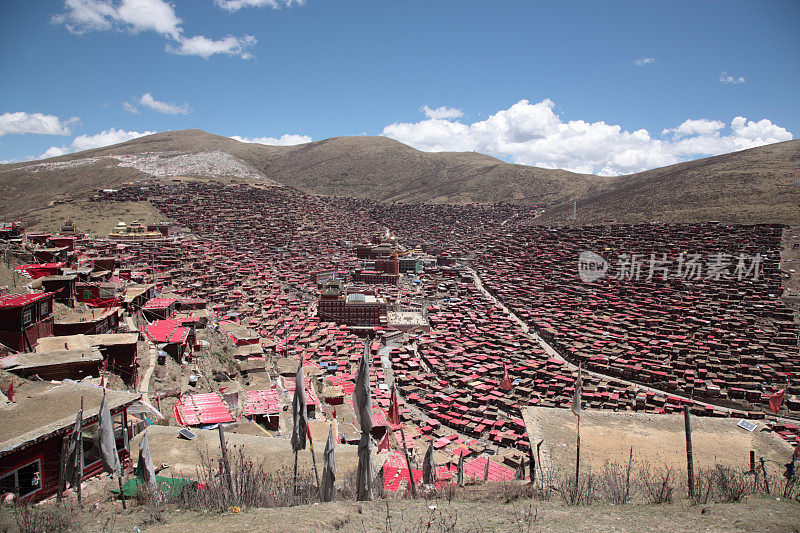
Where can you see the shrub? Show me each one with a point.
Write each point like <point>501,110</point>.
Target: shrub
<point>658,484</point>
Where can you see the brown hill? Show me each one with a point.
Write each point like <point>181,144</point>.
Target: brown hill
<point>367,167</point>
<point>749,186</point>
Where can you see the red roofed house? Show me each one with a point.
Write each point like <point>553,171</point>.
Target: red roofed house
<point>263,407</point>
<point>24,318</point>
<point>40,270</point>
<point>159,308</point>
<point>92,322</point>
<point>172,335</point>
<point>30,446</point>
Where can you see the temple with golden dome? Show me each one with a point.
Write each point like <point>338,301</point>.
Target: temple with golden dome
<point>134,231</point>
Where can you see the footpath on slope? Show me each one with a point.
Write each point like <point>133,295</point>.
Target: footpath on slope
<point>555,354</point>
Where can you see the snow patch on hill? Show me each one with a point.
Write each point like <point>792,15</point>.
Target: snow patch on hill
<point>215,164</point>
<point>62,165</point>
<point>212,164</point>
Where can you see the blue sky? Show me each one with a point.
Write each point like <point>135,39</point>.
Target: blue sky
<point>606,87</point>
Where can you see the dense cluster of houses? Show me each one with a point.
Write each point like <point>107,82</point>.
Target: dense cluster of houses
<point>722,336</point>
<point>283,276</point>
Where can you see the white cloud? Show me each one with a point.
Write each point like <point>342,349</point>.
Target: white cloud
<point>130,108</point>
<point>20,123</point>
<point>205,47</point>
<point>442,113</point>
<point>289,139</point>
<point>642,61</point>
<point>86,15</point>
<point>150,15</point>
<point>696,127</point>
<point>136,16</point>
<point>727,79</point>
<point>533,134</point>
<point>236,5</point>
<point>147,100</point>
<point>81,16</point>
<point>54,151</point>
<point>87,142</point>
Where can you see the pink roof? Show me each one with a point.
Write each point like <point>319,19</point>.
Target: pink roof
<point>497,472</point>
<point>201,409</point>
<point>169,331</point>
<point>261,402</point>
<point>159,303</point>
<point>16,300</point>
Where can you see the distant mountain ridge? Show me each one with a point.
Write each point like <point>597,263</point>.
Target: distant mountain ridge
<point>748,186</point>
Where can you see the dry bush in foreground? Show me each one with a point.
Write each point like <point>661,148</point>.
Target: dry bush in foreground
<point>615,485</point>
<point>581,492</point>
<point>33,519</point>
<point>252,486</point>
<point>658,485</point>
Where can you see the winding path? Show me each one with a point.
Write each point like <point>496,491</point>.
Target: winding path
<point>553,353</point>
<point>144,384</point>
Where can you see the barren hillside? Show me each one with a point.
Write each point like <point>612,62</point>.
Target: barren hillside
<point>750,186</point>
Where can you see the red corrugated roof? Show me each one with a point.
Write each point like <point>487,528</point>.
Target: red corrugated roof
<point>497,472</point>
<point>261,402</point>
<point>159,303</point>
<point>16,300</point>
<point>201,409</point>
<point>167,331</point>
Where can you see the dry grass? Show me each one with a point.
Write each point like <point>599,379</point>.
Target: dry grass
<point>97,218</point>
<point>45,519</point>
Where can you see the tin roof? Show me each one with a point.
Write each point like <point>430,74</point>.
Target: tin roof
<point>15,300</point>
<point>55,412</point>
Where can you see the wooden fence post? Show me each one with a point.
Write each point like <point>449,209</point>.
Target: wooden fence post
<point>689,458</point>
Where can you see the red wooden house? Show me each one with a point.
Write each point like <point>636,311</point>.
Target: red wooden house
<point>94,322</point>
<point>33,429</point>
<point>24,319</point>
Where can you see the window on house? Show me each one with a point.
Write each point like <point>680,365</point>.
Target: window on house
<point>87,294</point>
<point>27,316</point>
<point>44,309</point>
<point>91,445</point>
<point>23,481</point>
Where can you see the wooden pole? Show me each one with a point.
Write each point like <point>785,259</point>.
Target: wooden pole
<point>121,494</point>
<point>408,463</point>
<point>225,461</point>
<point>313,457</point>
<point>539,462</point>
<point>766,478</point>
<point>532,464</point>
<point>80,455</point>
<point>294,483</point>
<point>689,457</point>
<point>62,467</point>
<point>578,455</point>
<point>753,461</point>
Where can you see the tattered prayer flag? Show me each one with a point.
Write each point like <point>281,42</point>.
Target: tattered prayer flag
<point>73,470</point>
<point>394,409</point>
<point>776,400</point>
<point>145,466</point>
<point>328,487</point>
<point>108,444</point>
<point>505,384</point>
<point>300,428</point>
<point>428,466</point>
